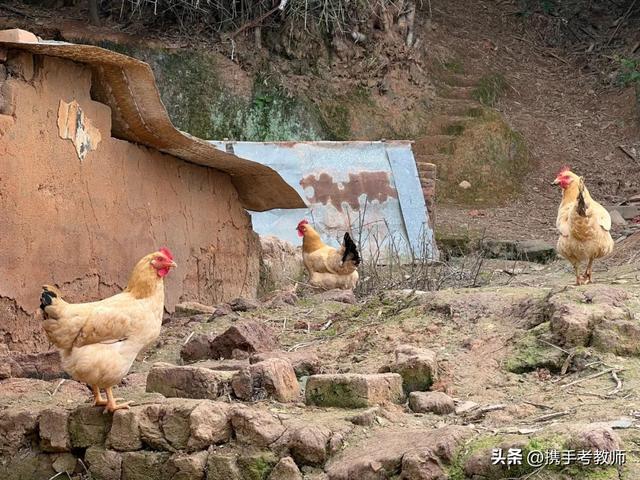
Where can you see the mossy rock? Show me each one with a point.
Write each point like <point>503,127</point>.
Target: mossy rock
<point>256,466</point>
<point>529,353</point>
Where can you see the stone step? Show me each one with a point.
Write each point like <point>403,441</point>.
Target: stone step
<point>350,390</point>
<point>447,125</point>
<point>458,106</point>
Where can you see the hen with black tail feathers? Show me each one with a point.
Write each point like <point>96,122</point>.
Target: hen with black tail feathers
<point>328,267</point>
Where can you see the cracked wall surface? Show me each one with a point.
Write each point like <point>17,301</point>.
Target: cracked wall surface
<point>82,225</point>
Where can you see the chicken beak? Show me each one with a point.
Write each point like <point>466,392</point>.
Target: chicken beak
<point>555,182</point>
<point>172,265</point>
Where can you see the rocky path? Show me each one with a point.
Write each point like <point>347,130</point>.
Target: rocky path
<point>411,385</point>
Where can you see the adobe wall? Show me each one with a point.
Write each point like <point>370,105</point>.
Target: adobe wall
<point>79,208</point>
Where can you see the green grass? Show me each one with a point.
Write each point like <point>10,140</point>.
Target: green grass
<point>453,65</point>
<point>454,129</point>
<point>490,88</point>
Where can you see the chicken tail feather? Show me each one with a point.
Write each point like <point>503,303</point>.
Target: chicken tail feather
<point>581,208</point>
<point>350,250</point>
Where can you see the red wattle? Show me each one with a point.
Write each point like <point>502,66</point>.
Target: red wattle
<point>162,272</point>
<point>300,234</point>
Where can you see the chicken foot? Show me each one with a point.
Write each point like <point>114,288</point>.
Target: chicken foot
<point>111,405</point>
<point>580,279</point>
<point>588,272</point>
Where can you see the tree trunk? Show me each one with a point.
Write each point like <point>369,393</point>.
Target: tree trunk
<point>94,18</point>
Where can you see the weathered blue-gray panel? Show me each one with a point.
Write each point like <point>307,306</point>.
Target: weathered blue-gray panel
<point>370,189</point>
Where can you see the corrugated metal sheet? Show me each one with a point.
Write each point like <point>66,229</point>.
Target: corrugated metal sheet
<point>371,189</point>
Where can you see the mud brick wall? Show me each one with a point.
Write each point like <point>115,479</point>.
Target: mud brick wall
<point>79,207</point>
<point>428,181</point>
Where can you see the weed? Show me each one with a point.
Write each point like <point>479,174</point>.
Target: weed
<point>489,89</point>
<point>629,72</point>
<point>454,129</point>
<point>453,65</point>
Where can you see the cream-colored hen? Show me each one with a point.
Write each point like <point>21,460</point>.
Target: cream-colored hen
<point>99,341</point>
<point>583,224</point>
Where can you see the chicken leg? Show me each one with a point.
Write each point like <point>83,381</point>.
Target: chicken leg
<point>99,401</point>
<point>588,272</point>
<point>111,405</point>
<point>580,279</point>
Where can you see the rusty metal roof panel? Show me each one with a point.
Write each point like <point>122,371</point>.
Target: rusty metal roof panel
<point>371,189</point>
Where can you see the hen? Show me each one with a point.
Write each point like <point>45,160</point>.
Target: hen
<point>583,224</point>
<point>328,267</point>
<point>99,341</point>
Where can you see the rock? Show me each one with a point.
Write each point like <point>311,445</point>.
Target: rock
<point>366,418</point>
<point>135,380</point>
<point>124,435</point>
<point>535,251</point>
<point>54,430</point>
<point>27,465</point>
<point>229,365</point>
<point>336,295</point>
<point>103,464</point>
<point>271,378</point>
<point>181,466</point>
<point>285,469</point>
<point>246,336</point>
<point>304,363</point>
<point>280,299</point>
<point>188,381</point>
<point>593,437</point>
<point>381,455</point>
<point>422,465</point>
<point>435,402</point>
<point>255,427</point>
<point>222,466</point>
<point>308,445</point>
<point>187,309</point>
<point>242,304</point>
<point>465,185</point>
<point>465,407</point>
<point>354,390</point>
<point>145,465</point>
<point>210,424</point>
<point>88,426</point>
<point>220,311</point>
<point>43,366</point>
<point>183,424</point>
<point>617,219</point>
<point>418,367</point>
<point>197,348</point>
<point>64,462</point>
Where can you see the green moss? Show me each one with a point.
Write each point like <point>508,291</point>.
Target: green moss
<point>489,89</point>
<point>256,466</point>
<point>454,65</point>
<point>475,112</point>
<point>529,353</point>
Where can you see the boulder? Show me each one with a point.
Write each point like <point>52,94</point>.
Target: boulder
<point>64,462</point>
<point>188,381</point>
<point>422,465</point>
<point>54,430</point>
<point>145,465</point>
<point>220,311</point>
<point>304,363</point>
<point>103,464</point>
<point>434,402</point>
<point>308,444</point>
<point>418,367</point>
<point>366,418</point>
<point>285,469</point>
<point>88,426</point>
<point>182,466</point>
<point>210,424</point>
<point>351,390</point>
<point>271,378</point>
<point>27,465</point>
<point>222,466</point>
<point>124,435</point>
<point>187,309</point>
<point>536,251</point>
<point>256,466</point>
<point>595,436</point>
<point>242,304</point>
<point>280,264</point>
<point>248,336</point>
<point>255,427</point>
<point>381,455</point>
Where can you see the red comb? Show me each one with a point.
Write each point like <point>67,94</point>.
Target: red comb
<point>303,222</point>
<point>166,252</point>
<point>564,169</point>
